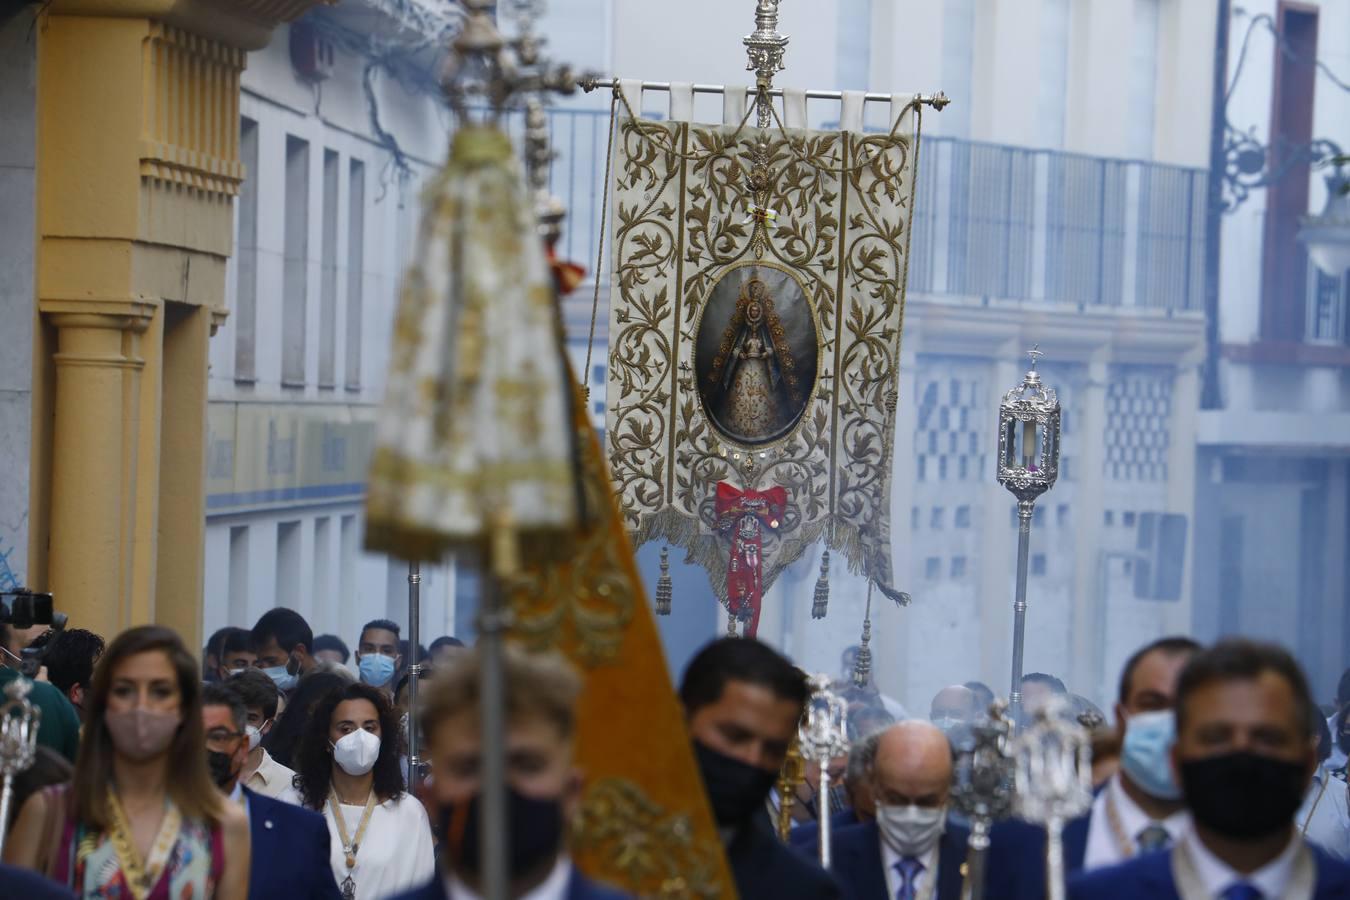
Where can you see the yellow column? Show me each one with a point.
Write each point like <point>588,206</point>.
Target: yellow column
<point>97,371</point>
<point>138,123</point>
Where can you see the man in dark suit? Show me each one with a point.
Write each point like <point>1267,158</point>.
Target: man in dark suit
<point>742,702</point>
<point>542,780</point>
<point>862,806</point>
<point>1244,756</point>
<point>290,844</point>
<point>898,856</point>
<point>1138,810</point>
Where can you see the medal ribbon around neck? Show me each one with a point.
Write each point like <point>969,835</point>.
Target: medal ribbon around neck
<point>141,878</point>
<point>350,847</point>
<point>1124,844</point>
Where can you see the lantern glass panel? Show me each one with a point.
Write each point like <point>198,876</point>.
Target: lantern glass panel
<point>1030,446</point>
<point>1010,444</point>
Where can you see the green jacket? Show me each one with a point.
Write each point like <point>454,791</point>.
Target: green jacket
<point>59,728</point>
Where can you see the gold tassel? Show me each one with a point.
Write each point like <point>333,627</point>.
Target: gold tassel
<point>663,588</point>
<point>822,588</point>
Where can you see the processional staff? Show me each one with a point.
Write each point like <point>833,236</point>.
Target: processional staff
<point>19,720</point>
<point>1053,776</point>
<point>983,790</point>
<point>1028,464</point>
<point>823,736</point>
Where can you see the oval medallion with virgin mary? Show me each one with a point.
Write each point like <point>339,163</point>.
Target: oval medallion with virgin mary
<point>756,352</point>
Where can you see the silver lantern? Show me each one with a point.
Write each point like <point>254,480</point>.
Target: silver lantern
<point>1028,464</point>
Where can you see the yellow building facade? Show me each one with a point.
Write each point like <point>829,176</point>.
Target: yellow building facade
<point>137,167</point>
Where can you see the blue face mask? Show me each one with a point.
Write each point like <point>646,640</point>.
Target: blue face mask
<point>376,669</point>
<point>284,680</point>
<point>1144,757</point>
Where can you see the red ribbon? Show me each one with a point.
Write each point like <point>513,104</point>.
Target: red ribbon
<point>567,276</point>
<point>745,514</point>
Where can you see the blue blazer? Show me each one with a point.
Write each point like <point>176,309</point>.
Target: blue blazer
<point>807,834</point>
<point>1017,853</point>
<point>856,862</point>
<point>578,888</point>
<point>19,882</point>
<point>1150,876</point>
<point>290,852</point>
<point>767,869</point>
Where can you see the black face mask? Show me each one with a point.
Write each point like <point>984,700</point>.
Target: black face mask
<point>735,789</point>
<point>536,833</point>
<point>1243,795</point>
<point>220,765</point>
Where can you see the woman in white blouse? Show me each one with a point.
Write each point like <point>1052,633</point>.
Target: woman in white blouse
<point>348,769</point>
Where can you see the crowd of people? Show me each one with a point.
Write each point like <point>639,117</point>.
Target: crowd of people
<point>277,767</point>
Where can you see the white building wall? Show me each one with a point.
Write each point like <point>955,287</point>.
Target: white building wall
<point>18,186</point>
<point>279,537</point>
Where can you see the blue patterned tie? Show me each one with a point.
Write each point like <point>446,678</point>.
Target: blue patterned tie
<point>908,870</point>
<point>1153,838</point>
<point>1242,891</point>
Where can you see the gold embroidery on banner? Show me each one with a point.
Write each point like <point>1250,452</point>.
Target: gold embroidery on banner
<point>582,604</point>
<point>844,207</point>
<point>655,850</point>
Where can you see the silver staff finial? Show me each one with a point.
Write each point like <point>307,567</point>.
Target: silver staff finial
<point>19,720</point>
<point>983,787</point>
<point>765,47</point>
<point>1054,781</point>
<point>823,736</point>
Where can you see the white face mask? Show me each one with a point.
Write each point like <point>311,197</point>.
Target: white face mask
<point>356,752</point>
<point>254,737</point>
<point>911,830</point>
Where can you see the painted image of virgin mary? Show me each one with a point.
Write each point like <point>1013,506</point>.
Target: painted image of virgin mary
<point>753,389</point>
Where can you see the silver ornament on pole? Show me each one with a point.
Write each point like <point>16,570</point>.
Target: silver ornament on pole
<point>983,789</point>
<point>823,736</point>
<point>765,47</point>
<point>1053,777</point>
<point>19,720</point>
<point>1028,464</point>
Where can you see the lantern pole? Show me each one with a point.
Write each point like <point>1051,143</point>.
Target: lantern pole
<point>1025,510</point>
<point>1028,468</point>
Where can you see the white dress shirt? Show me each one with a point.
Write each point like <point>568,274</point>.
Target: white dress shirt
<point>1271,880</point>
<point>394,856</point>
<point>554,886</point>
<point>274,780</point>
<point>1103,847</point>
<point>1324,818</point>
<point>889,859</point>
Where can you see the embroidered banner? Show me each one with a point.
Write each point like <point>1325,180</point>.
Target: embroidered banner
<point>769,369</point>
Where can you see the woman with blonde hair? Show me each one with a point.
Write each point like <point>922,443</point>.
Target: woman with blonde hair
<point>142,818</point>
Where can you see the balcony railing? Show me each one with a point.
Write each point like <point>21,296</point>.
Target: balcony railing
<point>1022,224</point>
<point>991,220</point>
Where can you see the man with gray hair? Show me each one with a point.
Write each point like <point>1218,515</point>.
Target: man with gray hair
<point>862,806</point>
